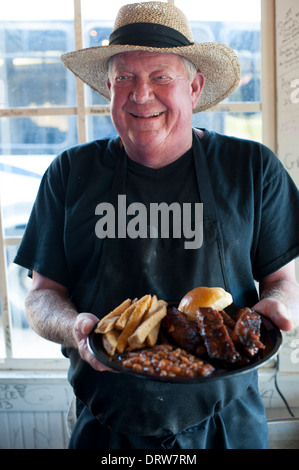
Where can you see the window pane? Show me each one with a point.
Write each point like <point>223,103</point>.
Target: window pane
<point>37,134</point>
<point>100,127</point>
<point>243,125</point>
<point>19,181</point>
<point>236,24</point>
<point>30,48</point>
<point>27,146</point>
<point>25,342</point>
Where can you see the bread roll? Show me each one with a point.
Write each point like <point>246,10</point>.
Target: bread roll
<point>214,297</point>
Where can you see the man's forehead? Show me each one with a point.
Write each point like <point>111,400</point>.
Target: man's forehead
<point>161,58</point>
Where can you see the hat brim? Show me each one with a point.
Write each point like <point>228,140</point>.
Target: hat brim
<point>217,61</point>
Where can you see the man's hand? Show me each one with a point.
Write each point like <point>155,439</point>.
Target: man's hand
<point>280,298</point>
<point>84,324</point>
<point>277,311</point>
<point>51,314</point>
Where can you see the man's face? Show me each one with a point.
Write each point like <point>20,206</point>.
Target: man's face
<point>151,105</point>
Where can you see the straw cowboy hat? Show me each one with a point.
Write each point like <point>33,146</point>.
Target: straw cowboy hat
<point>162,27</point>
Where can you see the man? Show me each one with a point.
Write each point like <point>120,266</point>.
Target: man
<point>248,234</point>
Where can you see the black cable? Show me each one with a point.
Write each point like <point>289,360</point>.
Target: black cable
<point>277,388</point>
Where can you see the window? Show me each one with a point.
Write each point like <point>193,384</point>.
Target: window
<point>38,121</point>
<point>238,25</point>
<point>44,110</point>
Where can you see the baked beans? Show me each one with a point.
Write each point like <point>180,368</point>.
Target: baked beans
<point>166,361</point>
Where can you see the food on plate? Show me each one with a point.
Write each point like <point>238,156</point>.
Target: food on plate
<point>201,326</point>
<point>184,332</point>
<point>182,324</point>
<point>110,341</point>
<point>202,335</point>
<point>215,335</point>
<point>214,297</point>
<point>133,322</point>
<point>247,331</point>
<point>166,361</point>
<point>124,317</point>
<point>107,323</point>
<point>228,321</point>
<point>132,325</point>
<point>148,323</point>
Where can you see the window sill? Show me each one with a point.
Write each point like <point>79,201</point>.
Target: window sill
<point>34,391</point>
<point>47,364</point>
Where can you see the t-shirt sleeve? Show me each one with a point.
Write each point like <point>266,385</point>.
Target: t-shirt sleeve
<point>278,240</point>
<point>42,246</point>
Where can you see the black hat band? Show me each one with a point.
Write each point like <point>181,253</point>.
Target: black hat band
<point>149,35</point>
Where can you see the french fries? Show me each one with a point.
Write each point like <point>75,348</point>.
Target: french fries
<point>138,337</point>
<point>132,325</point>
<point>107,323</point>
<point>110,341</point>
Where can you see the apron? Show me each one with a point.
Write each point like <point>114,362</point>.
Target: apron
<point>141,413</point>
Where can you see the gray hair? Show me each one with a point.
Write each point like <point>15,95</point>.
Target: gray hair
<point>190,68</point>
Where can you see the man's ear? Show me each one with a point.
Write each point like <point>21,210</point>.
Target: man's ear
<point>197,85</point>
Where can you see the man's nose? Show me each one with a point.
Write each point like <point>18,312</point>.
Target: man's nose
<point>142,91</point>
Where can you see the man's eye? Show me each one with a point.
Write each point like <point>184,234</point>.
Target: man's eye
<point>161,79</point>
<point>123,79</point>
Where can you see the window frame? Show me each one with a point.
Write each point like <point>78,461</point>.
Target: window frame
<point>266,106</point>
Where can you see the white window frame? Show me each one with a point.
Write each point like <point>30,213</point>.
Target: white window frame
<point>266,106</point>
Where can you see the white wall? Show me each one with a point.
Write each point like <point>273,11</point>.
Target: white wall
<point>33,410</point>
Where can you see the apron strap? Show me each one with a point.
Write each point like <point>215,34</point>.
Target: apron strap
<point>206,194</point>
<point>205,188</point>
<point>118,187</point>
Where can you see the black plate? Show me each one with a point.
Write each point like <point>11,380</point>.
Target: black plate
<point>270,335</point>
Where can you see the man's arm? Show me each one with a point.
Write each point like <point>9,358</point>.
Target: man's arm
<point>51,315</point>
<point>279,294</point>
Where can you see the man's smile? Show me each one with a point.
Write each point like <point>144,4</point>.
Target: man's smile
<point>146,116</point>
